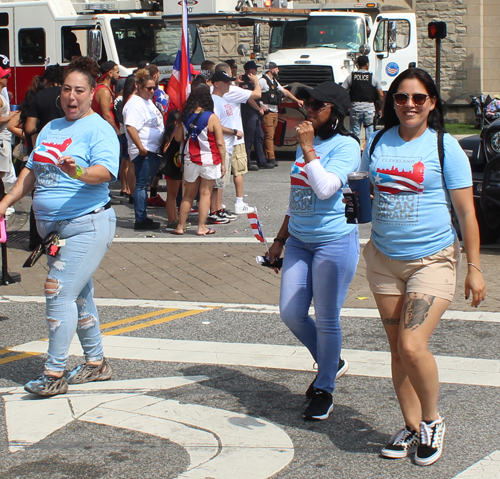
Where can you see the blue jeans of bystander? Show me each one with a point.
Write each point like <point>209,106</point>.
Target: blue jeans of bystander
<point>365,118</point>
<point>145,170</point>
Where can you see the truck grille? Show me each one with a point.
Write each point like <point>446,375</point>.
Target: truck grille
<point>311,75</point>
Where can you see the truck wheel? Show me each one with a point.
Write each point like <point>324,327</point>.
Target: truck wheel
<point>488,235</point>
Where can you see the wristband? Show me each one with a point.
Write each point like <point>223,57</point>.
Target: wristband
<point>79,172</point>
<point>279,239</point>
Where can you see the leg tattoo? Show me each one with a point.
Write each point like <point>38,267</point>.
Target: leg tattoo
<point>390,321</point>
<point>416,309</point>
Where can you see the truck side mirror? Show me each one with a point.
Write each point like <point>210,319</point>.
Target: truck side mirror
<point>364,49</point>
<point>94,44</point>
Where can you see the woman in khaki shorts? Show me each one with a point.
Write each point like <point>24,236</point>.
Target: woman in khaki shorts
<point>413,256</point>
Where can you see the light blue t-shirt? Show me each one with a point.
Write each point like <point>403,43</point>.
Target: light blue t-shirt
<point>411,207</point>
<point>313,220</point>
<point>90,141</point>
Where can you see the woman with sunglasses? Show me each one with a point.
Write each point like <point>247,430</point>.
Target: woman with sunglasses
<point>144,130</point>
<point>413,256</point>
<point>322,250</point>
<point>74,159</point>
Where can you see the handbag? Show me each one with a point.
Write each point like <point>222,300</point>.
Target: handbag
<point>20,151</point>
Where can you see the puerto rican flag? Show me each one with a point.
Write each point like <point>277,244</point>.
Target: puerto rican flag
<point>395,181</point>
<point>298,176</point>
<point>254,221</point>
<point>179,85</point>
<point>50,152</point>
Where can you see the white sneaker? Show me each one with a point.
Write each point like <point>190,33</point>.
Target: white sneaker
<point>243,209</point>
<point>431,442</point>
<point>9,211</point>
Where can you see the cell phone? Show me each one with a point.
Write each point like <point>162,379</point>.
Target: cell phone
<point>264,261</point>
<point>352,206</point>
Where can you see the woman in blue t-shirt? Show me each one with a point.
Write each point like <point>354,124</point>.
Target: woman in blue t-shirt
<point>322,250</point>
<point>74,160</point>
<point>413,256</point>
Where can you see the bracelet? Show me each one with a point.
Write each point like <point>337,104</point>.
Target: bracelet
<point>79,172</point>
<point>279,239</point>
<point>305,154</point>
<point>472,264</point>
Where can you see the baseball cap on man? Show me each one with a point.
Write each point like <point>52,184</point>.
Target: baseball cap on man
<point>221,76</point>
<point>329,92</point>
<point>107,66</point>
<point>270,65</point>
<point>4,66</point>
<point>250,65</point>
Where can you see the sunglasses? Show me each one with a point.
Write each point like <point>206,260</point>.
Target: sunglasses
<point>7,76</point>
<point>49,245</point>
<point>315,105</point>
<point>150,88</point>
<point>402,98</point>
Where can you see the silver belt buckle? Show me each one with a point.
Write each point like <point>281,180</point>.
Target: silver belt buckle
<point>98,210</point>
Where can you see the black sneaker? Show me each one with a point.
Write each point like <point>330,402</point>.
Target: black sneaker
<point>223,213</point>
<point>47,385</point>
<point>147,224</point>
<point>266,166</point>
<point>215,219</point>
<point>342,369</point>
<point>320,406</point>
<point>253,167</point>
<point>403,443</point>
<point>431,442</point>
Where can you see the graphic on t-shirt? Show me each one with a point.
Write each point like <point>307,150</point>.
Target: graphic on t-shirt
<point>302,200</point>
<point>395,181</point>
<point>298,175</point>
<point>50,152</point>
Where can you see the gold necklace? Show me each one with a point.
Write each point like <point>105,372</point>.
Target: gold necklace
<point>87,114</point>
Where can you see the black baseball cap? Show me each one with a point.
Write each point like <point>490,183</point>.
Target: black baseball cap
<point>249,65</point>
<point>221,76</point>
<point>270,65</point>
<point>329,92</point>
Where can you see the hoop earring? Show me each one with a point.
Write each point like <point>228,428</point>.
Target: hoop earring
<point>58,98</point>
<point>334,127</point>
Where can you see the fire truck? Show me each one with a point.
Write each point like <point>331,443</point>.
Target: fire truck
<point>317,42</point>
<point>36,33</point>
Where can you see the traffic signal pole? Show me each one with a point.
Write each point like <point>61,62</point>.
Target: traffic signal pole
<point>438,65</point>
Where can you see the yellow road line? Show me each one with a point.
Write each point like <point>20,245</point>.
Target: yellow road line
<point>136,318</point>
<point>17,357</point>
<point>155,321</point>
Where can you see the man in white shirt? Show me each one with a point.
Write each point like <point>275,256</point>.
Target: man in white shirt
<point>227,106</point>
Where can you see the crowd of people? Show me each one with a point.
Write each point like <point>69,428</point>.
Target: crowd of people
<point>412,263</point>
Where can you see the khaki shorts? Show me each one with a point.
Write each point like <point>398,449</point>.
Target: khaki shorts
<point>436,274</point>
<point>239,163</point>
<point>221,182</point>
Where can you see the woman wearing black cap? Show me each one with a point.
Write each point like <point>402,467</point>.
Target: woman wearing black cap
<point>322,250</point>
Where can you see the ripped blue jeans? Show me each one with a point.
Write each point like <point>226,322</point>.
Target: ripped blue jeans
<point>69,290</point>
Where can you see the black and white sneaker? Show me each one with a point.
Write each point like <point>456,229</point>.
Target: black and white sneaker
<point>223,213</point>
<point>215,219</point>
<point>431,442</point>
<point>403,443</point>
<point>320,406</point>
<point>342,369</point>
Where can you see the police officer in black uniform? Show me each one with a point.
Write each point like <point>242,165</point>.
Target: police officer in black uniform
<point>250,114</point>
<point>364,89</point>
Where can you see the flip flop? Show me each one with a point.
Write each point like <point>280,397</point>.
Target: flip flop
<point>176,233</point>
<point>211,231</point>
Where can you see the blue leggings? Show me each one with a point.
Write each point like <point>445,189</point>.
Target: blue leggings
<point>322,271</point>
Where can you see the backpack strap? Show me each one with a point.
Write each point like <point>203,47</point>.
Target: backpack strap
<point>375,141</point>
<point>440,136</point>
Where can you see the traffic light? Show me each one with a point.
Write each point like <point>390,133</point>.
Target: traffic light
<point>437,30</point>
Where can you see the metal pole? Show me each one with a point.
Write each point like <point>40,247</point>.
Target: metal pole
<point>438,65</point>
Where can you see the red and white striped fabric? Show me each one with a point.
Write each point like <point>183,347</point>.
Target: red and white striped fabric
<point>253,218</point>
